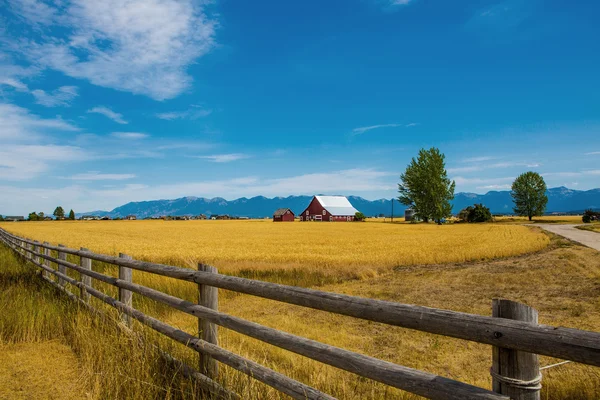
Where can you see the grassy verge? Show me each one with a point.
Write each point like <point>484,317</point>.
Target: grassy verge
<point>52,348</point>
<point>590,227</point>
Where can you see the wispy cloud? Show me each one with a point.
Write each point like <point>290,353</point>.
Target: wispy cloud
<point>19,124</point>
<point>129,135</point>
<point>194,112</point>
<point>23,162</point>
<point>63,96</point>
<point>495,187</point>
<point>572,174</point>
<point>363,129</point>
<point>481,167</point>
<point>107,112</point>
<point>97,176</point>
<point>224,158</point>
<point>479,159</point>
<point>593,153</point>
<point>138,46</point>
<point>351,181</point>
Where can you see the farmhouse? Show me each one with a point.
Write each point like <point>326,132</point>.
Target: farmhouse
<point>131,218</point>
<point>283,215</point>
<point>329,208</point>
<point>14,218</point>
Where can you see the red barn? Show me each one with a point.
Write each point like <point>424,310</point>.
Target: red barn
<point>283,215</point>
<point>329,208</point>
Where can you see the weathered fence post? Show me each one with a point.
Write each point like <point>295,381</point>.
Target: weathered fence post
<point>47,262</point>
<point>36,248</point>
<point>208,296</point>
<point>61,268</point>
<point>125,296</point>
<point>85,263</point>
<point>28,254</point>
<point>515,373</point>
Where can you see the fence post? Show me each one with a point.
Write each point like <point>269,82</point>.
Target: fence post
<point>28,254</point>
<point>36,248</point>
<point>208,296</point>
<point>46,262</point>
<point>61,268</point>
<point>515,373</point>
<point>125,296</point>
<point>85,263</point>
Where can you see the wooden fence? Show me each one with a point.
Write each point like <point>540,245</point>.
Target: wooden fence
<point>512,330</point>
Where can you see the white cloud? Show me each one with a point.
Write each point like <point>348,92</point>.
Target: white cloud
<point>107,112</point>
<point>399,2</point>
<point>593,153</point>
<point>97,176</point>
<point>59,97</point>
<point>194,112</point>
<point>22,162</point>
<point>138,46</point>
<point>353,181</point>
<point>129,135</point>
<point>480,182</point>
<point>495,187</point>
<point>479,159</point>
<point>18,124</point>
<point>363,129</point>
<point>224,158</point>
<point>481,167</point>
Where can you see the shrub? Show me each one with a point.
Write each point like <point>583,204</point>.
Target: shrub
<point>590,215</point>
<point>359,217</point>
<point>475,213</point>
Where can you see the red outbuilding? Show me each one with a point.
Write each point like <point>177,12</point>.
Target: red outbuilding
<point>283,215</point>
<point>329,208</point>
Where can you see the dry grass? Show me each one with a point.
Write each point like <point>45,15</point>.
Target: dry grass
<point>546,219</point>
<point>304,254</point>
<point>561,281</point>
<point>594,227</point>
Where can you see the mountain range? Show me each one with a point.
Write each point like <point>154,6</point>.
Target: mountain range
<point>560,199</point>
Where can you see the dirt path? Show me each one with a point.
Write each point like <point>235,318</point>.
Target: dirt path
<point>586,238</point>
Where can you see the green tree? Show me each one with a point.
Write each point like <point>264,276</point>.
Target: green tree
<point>59,213</point>
<point>358,216</point>
<point>1,218</point>
<point>425,186</point>
<point>529,195</point>
<point>475,213</point>
<point>33,216</point>
<point>72,215</point>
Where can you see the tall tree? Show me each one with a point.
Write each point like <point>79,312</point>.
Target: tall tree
<point>59,213</point>
<point>529,195</point>
<point>33,216</point>
<point>425,186</point>
<point>72,215</point>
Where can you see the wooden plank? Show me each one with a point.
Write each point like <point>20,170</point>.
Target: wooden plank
<point>415,381</point>
<point>274,379</point>
<point>515,373</point>
<point>62,256</point>
<point>570,344</point>
<point>208,296</point>
<point>86,263</point>
<point>125,296</point>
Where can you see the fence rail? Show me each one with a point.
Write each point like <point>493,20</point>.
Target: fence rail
<point>513,340</point>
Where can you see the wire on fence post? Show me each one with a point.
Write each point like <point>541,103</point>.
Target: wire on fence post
<point>515,373</point>
<point>208,296</point>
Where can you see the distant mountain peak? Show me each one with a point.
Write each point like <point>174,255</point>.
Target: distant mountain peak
<point>560,199</point>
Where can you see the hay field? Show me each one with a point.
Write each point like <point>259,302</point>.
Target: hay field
<point>560,281</point>
<point>305,254</point>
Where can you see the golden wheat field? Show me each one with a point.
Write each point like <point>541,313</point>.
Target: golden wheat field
<point>457,267</point>
<point>276,251</point>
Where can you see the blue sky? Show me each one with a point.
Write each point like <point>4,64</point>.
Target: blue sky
<point>107,102</point>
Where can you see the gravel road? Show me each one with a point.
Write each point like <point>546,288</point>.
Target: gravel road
<point>586,238</point>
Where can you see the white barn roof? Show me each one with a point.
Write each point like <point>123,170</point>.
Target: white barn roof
<point>337,205</point>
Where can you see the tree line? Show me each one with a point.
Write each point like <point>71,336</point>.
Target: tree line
<point>426,189</point>
<point>59,214</point>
